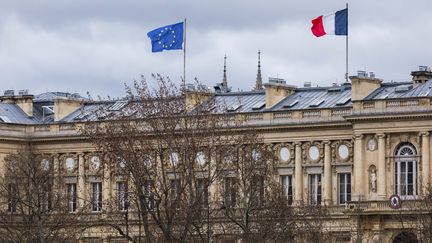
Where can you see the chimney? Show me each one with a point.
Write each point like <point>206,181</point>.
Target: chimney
<point>195,96</point>
<point>421,76</point>
<point>362,85</point>
<point>63,106</point>
<point>276,90</point>
<point>23,100</point>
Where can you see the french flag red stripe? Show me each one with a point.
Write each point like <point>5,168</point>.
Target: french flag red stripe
<point>318,26</point>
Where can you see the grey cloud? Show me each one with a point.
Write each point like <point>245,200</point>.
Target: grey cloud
<point>97,45</point>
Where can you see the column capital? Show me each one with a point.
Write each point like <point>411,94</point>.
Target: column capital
<point>358,136</point>
<point>424,133</point>
<point>326,142</point>
<point>380,135</point>
<point>297,143</point>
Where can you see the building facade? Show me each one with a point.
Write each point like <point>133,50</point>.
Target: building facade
<point>349,147</point>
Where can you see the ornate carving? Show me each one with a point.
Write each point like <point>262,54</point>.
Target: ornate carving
<point>336,158</point>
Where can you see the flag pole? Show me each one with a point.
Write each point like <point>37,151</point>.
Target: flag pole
<point>184,55</point>
<point>346,48</point>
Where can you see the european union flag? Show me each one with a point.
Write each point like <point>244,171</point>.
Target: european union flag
<point>169,37</point>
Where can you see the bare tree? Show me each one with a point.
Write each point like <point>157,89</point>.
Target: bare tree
<point>33,208</point>
<point>193,170</point>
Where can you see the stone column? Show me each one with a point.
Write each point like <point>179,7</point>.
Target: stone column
<point>381,180</point>
<point>106,184</point>
<point>327,174</point>
<point>425,159</point>
<point>81,192</point>
<point>298,173</point>
<point>358,168</point>
<point>56,180</point>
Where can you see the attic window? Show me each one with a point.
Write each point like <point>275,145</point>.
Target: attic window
<point>317,103</point>
<point>258,106</point>
<point>5,119</point>
<point>118,105</point>
<point>333,90</point>
<point>403,88</point>
<point>384,96</point>
<point>426,93</point>
<point>293,103</point>
<point>343,101</point>
<point>233,107</point>
<point>81,116</point>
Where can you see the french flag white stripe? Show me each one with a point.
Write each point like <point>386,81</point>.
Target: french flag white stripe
<point>329,24</point>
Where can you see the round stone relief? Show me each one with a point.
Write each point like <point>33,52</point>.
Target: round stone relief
<point>284,154</point>
<point>70,164</point>
<point>174,158</point>
<point>95,162</point>
<point>122,163</point>
<point>200,158</point>
<point>45,164</point>
<point>314,153</point>
<point>372,144</point>
<point>343,151</point>
<point>256,154</point>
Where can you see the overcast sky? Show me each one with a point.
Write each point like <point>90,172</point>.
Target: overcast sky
<point>97,45</point>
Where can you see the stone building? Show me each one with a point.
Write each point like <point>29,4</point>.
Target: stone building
<point>349,146</point>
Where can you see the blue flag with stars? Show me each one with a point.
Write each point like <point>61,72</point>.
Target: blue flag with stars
<point>169,37</point>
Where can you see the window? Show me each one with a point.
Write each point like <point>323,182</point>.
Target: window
<point>72,197</point>
<point>287,188</point>
<point>257,190</point>
<point>44,199</point>
<point>122,195</point>
<point>315,189</point>
<point>344,188</point>
<point>97,196</point>
<point>229,192</point>
<point>406,171</point>
<point>202,192</point>
<point>148,194</point>
<point>12,198</point>
<point>174,189</point>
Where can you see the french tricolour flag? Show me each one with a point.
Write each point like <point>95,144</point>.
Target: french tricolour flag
<point>333,24</point>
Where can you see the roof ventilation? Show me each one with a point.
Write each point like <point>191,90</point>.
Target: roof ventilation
<point>307,84</point>
<point>23,92</point>
<point>9,92</point>
<point>277,80</point>
<point>372,74</point>
<point>362,74</point>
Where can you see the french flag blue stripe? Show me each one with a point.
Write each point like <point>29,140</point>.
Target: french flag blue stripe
<point>341,22</point>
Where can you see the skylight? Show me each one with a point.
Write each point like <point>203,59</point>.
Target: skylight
<point>343,101</point>
<point>233,107</point>
<point>291,104</point>
<point>317,103</point>
<point>258,105</point>
<point>118,105</point>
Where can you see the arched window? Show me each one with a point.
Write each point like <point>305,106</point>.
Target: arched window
<point>405,170</point>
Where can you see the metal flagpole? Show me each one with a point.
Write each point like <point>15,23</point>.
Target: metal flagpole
<point>346,48</point>
<point>184,55</point>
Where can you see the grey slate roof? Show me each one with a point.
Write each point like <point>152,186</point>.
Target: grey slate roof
<point>319,97</point>
<point>232,102</point>
<point>11,113</point>
<point>251,101</point>
<point>401,90</point>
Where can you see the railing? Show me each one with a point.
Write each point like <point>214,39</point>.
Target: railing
<point>383,206</point>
